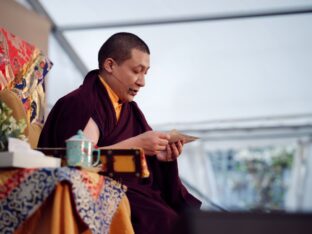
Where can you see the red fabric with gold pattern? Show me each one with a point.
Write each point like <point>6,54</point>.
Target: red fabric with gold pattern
<point>15,55</point>
<point>22,70</point>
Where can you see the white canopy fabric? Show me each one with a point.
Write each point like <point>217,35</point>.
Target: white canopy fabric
<point>80,12</point>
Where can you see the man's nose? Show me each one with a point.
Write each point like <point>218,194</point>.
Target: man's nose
<point>141,81</point>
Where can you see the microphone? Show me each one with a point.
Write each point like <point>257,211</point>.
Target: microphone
<point>120,81</point>
<point>130,91</point>
<point>125,85</point>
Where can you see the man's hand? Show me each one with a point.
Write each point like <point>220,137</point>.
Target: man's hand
<point>172,152</point>
<point>152,142</point>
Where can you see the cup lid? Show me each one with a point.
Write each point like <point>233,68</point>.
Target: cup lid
<point>78,137</point>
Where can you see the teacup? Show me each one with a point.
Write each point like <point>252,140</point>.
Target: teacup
<point>80,151</point>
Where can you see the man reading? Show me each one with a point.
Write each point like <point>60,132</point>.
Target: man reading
<point>104,109</point>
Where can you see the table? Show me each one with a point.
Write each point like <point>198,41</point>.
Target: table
<point>62,200</point>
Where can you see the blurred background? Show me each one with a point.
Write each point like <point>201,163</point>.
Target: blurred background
<point>236,73</point>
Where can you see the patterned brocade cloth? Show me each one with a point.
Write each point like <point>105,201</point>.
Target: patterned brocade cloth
<point>22,192</point>
<point>23,68</point>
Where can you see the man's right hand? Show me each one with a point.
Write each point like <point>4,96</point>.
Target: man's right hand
<point>152,142</point>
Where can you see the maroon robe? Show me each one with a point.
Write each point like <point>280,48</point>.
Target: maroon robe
<point>156,203</point>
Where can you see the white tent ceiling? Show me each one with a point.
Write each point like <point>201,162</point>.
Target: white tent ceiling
<point>81,12</point>
<point>201,68</point>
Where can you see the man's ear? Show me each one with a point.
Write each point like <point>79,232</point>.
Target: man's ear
<point>108,65</point>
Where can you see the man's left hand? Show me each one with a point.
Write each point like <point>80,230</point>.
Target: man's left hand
<point>172,152</point>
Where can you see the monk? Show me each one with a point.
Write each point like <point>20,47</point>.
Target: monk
<point>104,109</point>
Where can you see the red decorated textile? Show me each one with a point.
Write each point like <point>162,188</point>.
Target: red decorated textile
<point>15,54</point>
<point>22,70</point>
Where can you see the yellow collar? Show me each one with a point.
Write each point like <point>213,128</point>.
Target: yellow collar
<point>113,96</point>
